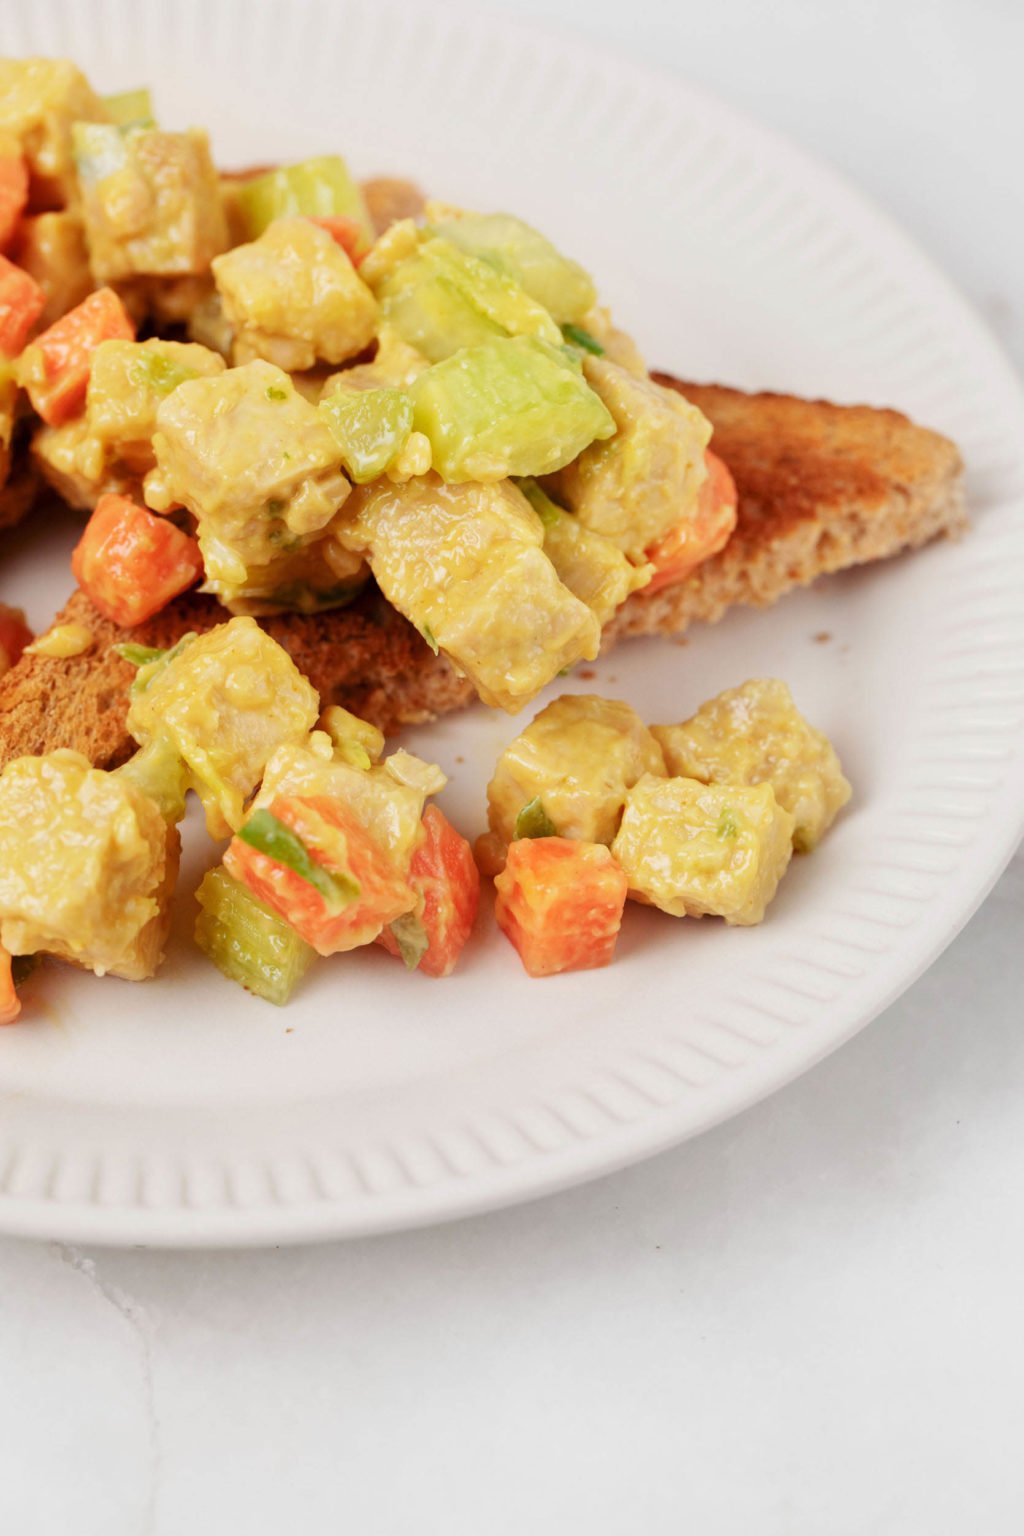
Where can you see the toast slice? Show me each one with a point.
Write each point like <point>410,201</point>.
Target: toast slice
<point>821,487</point>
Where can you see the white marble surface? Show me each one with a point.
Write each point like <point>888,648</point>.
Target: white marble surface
<point>807,1323</point>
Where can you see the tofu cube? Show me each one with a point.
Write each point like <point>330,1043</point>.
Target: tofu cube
<point>697,850</point>
<point>579,757</point>
<point>128,383</point>
<point>226,701</point>
<point>253,463</point>
<point>40,99</point>
<point>756,735</point>
<point>87,865</point>
<point>464,563</point>
<point>151,201</point>
<point>293,297</point>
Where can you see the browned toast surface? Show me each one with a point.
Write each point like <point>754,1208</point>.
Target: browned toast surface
<point>821,487</point>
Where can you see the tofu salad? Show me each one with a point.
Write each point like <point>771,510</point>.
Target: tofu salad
<point>285,387</point>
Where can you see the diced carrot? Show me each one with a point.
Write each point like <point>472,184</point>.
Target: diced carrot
<point>346,233</point>
<point>338,843</point>
<point>21,304</point>
<point>560,902</point>
<point>443,872</point>
<point>696,538</point>
<point>13,195</point>
<point>55,368</point>
<point>14,636</point>
<point>132,563</point>
<point>10,1003</point>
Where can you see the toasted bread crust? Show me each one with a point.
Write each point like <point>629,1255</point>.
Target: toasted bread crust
<point>821,487</point>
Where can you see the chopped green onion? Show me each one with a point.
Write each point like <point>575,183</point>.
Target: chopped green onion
<point>139,655</point>
<point>411,938</point>
<point>247,942</point>
<point>547,510</point>
<point>267,834</point>
<point>428,635</point>
<point>577,336</point>
<point>534,821</point>
<point>727,826</point>
<point>151,668</point>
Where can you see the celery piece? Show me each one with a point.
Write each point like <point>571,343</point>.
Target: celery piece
<point>411,937</point>
<point>247,942</point>
<point>528,257</point>
<point>159,771</point>
<point>269,835</point>
<point>319,188</point>
<point>370,426</point>
<point>509,407</point>
<point>534,821</point>
<point>131,109</point>
<point>440,299</point>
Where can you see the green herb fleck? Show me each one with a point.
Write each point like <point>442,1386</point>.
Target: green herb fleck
<point>139,655</point>
<point>727,824</point>
<point>534,821</point>
<point>275,392</point>
<point>150,670</point>
<point>428,635</point>
<point>411,938</point>
<point>549,512</point>
<point>267,834</point>
<point>578,337</point>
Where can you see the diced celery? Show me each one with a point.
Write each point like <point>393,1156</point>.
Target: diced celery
<point>528,257</point>
<point>160,773</point>
<point>248,943</point>
<point>131,109</point>
<point>579,336</point>
<point>440,299</point>
<point>509,407</point>
<point>370,426</point>
<point>319,188</point>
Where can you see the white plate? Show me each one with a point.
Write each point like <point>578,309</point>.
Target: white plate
<point>183,1111</point>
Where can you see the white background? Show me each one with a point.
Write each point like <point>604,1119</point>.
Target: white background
<point>810,1322</point>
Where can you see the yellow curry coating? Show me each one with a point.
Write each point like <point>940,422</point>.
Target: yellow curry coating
<point>698,850</point>
<point>638,484</point>
<point>40,99</point>
<point>253,463</point>
<point>580,757</point>
<point>87,863</point>
<point>465,564</point>
<point>293,297</point>
<point>387,797</point>
<point>151,201</point>
<point>225,701</point>
<point>755,735</point>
